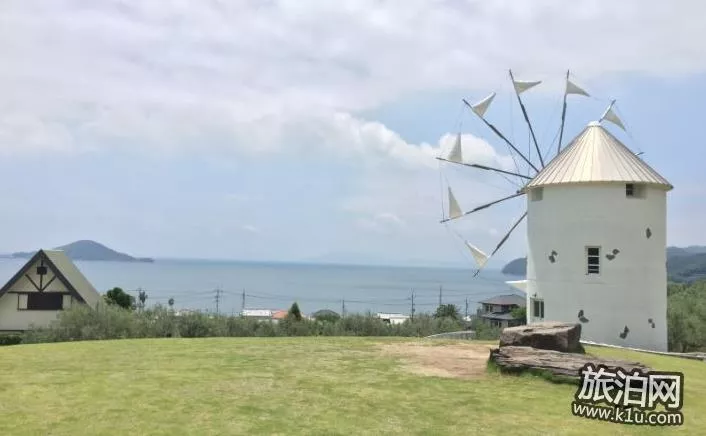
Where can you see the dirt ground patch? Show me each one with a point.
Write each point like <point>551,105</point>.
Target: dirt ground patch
<point>447,360</point>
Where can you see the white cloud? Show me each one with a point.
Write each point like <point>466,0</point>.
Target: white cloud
<point>290,76</point>
<point>398,192</point>
<point>201,74</point>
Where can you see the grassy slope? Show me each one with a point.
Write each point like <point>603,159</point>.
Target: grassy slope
<point>284,386</point>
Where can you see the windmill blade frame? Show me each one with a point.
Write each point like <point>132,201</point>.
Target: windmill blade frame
<point>481,207</point>
<point>480,109</point>
<point>504,239</point>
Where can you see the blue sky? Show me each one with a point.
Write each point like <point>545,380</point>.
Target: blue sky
<point>298,130</point>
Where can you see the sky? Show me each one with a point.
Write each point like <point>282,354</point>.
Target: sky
<point>303,130</point>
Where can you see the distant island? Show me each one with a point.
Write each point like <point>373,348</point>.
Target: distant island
<point>684,264</point>
<point>517,267</point>
<point>88,250</point>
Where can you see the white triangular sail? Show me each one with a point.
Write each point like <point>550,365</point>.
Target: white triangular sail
<point>610,115</point>
<point>523,85</point>
<point>456,154</point>
<point>454,208</point>
<point>480,257</point>
<point>572,88</point>
<point>482,106</point>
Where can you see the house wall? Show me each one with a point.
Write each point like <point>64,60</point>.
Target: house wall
<point>629,290</point>
<point>12,318</point>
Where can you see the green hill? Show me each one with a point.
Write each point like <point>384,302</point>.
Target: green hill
<point>517,267</point>
<point>687,267</point>
<point>88,250</point>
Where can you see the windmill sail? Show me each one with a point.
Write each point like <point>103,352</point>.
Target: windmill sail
<point>482,106</point>
<point>500,135</point>
<point>504,239</point>
<point>454,208</point>
<point>610,115</point>
<point>520,87</point>
<point>571,88</point>
<point>480,257</point>
<point>523,85</point>
<point>456,154</point>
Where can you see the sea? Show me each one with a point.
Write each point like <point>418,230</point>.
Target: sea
<point>230,286</point>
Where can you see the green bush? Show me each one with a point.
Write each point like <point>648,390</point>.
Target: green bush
<point>326,315</point>
<point>686,317</point>
<point>113,322</point>
<point>294,312</point>
<point>10,340</point>
<point>118,297</point>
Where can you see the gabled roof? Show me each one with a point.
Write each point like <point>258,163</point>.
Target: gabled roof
<point>506,300</point>
<point>65,271</point>
<point>280,314</point>
<point>595,155</point>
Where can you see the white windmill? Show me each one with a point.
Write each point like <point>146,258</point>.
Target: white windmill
<point>596,231</point>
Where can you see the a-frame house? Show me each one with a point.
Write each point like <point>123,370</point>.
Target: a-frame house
<point>48,283</point>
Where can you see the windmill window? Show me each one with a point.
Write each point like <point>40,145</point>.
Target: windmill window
<point>537,306</point>
<point>633,190</point>
<point>593,260</point>
<point>537,194</point>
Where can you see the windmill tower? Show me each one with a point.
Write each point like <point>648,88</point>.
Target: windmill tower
<point>596,235</point>
<point>596,238</point>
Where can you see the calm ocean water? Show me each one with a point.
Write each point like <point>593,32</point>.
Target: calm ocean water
<point>193,285</point>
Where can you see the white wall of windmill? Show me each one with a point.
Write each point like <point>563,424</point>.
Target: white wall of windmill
<point>629,290</point>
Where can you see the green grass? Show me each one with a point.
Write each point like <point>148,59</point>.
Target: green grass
<point>286,386</point>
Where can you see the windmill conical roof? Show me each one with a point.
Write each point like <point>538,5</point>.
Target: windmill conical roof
<point>596,156</point>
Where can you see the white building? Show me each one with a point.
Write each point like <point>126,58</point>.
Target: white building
<point>258,314</point>
<point>47,284</point>
<point>596,228</point>
<point>393,318</point>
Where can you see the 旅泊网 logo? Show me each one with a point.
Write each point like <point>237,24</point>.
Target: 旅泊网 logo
<point>629,397</point>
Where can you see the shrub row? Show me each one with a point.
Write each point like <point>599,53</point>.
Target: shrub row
<point>10,339</point>
<point>111,322</point>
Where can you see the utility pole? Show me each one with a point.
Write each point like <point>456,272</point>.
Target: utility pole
<point>218,300</point>
<point>466,307</point>
<point>412,313</point>
<point>439,295</point>
<point>242,305</point>
<point>343,308</point>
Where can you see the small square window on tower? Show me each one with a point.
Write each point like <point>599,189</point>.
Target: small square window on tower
<point>629,189</point>
<point>593,260</point>
<point>634,190</point>
<point>537,194</point>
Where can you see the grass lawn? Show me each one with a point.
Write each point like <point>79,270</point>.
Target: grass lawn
<point>287,386</point>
